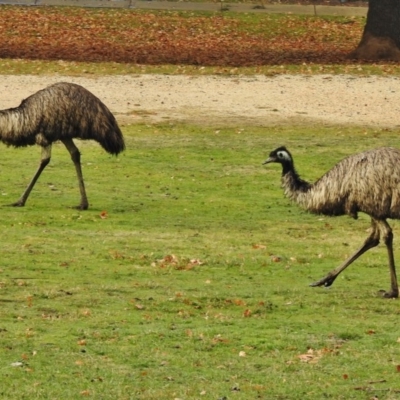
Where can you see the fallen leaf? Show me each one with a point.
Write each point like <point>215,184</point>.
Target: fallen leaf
<point>17,364</point>
<point>189,333</point>
<point>311,356</point>
<point>64,264</point>
<point>195,261</point>
<point>247,313</point>
<point>115,255</point>
<point>306,357</point>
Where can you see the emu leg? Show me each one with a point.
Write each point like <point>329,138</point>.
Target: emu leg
<point>387,235</point>
<point>371,241</point>
<point>44,160</point>
<point>76,159</point>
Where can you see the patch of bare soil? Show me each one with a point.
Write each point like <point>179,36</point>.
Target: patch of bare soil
<point>236,100</point>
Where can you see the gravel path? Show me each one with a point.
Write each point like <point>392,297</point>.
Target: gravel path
<point>216,100</point>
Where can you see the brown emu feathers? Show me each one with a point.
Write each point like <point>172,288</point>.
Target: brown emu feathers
<point>62,111</point>
<point>367,182</point>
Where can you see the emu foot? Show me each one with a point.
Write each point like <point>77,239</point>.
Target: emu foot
<point>82,207</point>
<point>326,281</point>
<point>391,294</point>
<point>18,203</point>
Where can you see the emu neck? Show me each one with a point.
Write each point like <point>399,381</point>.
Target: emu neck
<point>293,185</point>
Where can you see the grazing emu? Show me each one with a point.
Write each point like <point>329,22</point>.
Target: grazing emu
<point>62,111</point>
<point>368,182</point>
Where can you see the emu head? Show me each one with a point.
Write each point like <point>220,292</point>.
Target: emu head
<point>280,155</point>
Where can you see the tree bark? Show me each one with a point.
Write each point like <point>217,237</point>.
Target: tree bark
<point>381,36</point>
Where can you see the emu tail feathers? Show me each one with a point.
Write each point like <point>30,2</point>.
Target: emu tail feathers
<point>113,142</point>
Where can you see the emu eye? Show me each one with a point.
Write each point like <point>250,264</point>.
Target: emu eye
<point>283,156</point>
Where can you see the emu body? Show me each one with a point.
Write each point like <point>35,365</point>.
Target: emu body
<point>60,112</point>
<point>367,182</point>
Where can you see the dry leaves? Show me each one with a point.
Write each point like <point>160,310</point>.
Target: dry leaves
<point>104,215</point>
<point>259,247</point>
<point>173,261</point>
<point>312,356</point>
<point>126,36</point>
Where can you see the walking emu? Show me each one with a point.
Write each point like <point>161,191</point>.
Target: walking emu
<point>62,111</point>
<point>368,182</point>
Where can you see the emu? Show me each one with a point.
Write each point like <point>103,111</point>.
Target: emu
<point>60,112</point>
<point>367,182</point>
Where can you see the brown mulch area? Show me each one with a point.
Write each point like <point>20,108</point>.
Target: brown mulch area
<point>73,34</point>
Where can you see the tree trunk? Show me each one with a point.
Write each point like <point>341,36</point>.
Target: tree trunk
<point>381,36</point>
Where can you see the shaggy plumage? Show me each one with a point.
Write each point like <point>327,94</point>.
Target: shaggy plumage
<point>367,182</point>
<point>60,112</point>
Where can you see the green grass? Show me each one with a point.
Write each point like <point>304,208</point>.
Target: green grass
<point>194,284</point>
<point>66,68</point>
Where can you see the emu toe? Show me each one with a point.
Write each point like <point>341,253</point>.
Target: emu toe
<point>326,281</point>
<point>18,203</point>
<point>82,207</point>
<point>391,294</point>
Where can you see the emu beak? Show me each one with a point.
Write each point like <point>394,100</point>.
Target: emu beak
<point>268,160</point>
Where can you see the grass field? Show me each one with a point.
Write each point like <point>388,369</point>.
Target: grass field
<point>188,276</point>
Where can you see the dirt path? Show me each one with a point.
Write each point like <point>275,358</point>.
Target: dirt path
<point>256,6</point>
<point>259,6</point>
<point>216,100</point>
